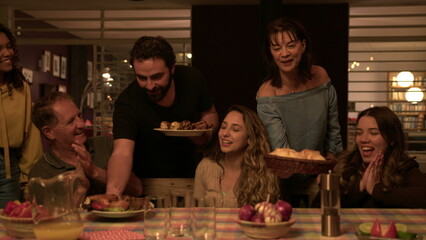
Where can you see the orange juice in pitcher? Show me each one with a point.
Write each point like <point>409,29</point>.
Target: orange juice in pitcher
<point>55,214</point>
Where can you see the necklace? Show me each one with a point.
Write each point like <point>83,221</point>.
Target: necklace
<point>292,90</point>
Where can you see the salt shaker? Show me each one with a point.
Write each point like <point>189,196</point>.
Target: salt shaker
<point>330,204</point>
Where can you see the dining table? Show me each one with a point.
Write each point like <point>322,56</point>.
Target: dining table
<point>307,226</point>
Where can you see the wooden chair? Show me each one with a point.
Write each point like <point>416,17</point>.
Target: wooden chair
<point>179,187</point>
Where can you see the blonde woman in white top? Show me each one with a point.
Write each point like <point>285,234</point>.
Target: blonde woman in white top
<point>235,168</point>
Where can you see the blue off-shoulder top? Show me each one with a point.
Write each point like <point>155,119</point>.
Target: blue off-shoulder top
<point>303,120</point>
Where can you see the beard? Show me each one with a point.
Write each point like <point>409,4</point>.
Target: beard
<point>162,91</point>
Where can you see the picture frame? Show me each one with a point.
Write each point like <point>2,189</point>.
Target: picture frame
<point>46,63</point>
<point>63,67</point>
<point>28,74</point>
<point>56,66</point>
<point>89,70</point>
<point>62,88</point>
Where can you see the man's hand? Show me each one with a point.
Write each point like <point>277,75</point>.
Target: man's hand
<point>372,174</point>
<point>84,159</point>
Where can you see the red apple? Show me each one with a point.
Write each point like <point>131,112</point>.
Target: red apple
<point>258,217</point>
<point>246,212</point>
<point>285,209</point>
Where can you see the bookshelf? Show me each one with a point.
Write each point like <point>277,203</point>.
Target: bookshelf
<point>412,115</point>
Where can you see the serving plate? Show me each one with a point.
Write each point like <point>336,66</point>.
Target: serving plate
<point>366,237</point>
<point>124,214</point>
<point>184,133</point>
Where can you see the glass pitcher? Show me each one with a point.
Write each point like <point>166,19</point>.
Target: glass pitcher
<point>55,214</point>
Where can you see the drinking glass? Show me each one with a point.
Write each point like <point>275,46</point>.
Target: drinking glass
<point>204,218</point>
<point>180,214</point>
<point>156,216</point>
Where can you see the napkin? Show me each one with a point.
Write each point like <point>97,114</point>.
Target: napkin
<point>111,235</point>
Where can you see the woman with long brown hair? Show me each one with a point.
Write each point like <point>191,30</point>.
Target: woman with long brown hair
<point>236,168</point>
<point>378,172</point>
<point>20,142</point>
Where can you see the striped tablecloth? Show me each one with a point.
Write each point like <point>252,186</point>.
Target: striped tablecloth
<point>307,226</point>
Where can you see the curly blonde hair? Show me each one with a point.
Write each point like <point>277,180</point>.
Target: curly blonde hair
<point>396,162</point>
<point>255,181</point>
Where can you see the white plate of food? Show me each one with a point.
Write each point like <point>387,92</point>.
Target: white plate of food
<point>110,206</point>
<point>184,133</point>
<point>122,214</point>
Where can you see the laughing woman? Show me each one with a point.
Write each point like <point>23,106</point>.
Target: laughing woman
<point>236,168</point>
<point>20,142</point>
<point>378,172</point>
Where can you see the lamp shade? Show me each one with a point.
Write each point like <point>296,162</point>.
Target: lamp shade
<point>414,95</point>
<point>405,79</point>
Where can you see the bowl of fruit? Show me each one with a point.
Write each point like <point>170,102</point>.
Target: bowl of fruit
<point>16,218</point>
<point>381,230</point>
<point>266,220</point>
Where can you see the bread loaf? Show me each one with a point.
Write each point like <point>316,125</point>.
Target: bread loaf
<point>304,154</point>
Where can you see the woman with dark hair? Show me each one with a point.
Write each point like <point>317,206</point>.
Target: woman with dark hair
<point>235,168</point>
<point>297,102</point>
<point>20,142</point>
<point>378,172</point>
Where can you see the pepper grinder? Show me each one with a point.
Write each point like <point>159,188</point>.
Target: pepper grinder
<point>330,204</point>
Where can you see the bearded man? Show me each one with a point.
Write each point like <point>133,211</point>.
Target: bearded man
<point>162,91</point>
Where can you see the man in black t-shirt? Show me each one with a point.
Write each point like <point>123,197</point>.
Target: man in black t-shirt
<point>162,91</point>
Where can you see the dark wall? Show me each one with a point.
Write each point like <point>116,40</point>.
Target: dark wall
<point>226,43</point>
<point>78,75</point>
<point>43,82</point>
<point>225,48</point>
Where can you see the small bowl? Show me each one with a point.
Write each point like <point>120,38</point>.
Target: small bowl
<point>266,230</point>
<point>18,227</point>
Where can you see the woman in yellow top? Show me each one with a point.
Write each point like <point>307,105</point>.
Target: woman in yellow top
<point>20,142</point>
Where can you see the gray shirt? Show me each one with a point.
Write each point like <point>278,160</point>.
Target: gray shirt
<point>303,120</point>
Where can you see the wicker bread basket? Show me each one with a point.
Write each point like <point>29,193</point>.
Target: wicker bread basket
<point>18,227</point>
<point>283,166</point>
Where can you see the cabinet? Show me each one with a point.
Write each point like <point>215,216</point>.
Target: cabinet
<point>411,114</point>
